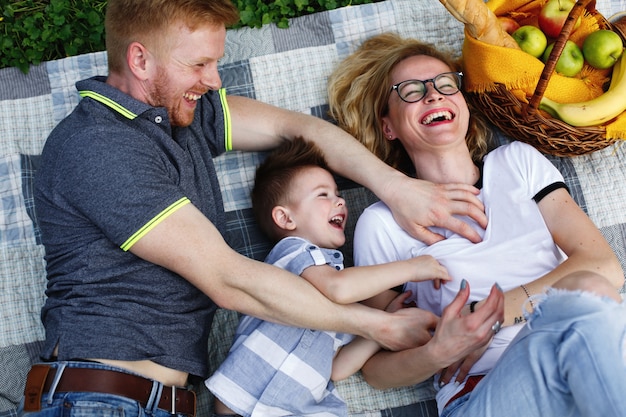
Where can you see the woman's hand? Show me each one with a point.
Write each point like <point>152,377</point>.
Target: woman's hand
<point>463,366</point>
<point>455,338</point>
<point>461,339</point>
<point>418,204</point>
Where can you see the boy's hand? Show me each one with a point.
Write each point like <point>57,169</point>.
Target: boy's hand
<point>399,302</point>
<point>428,268</point>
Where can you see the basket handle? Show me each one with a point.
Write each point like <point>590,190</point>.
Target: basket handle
<point>557,49</point>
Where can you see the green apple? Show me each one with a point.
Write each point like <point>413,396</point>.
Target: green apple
<point>602,48</point>
<point>571,60</point>
<point>531,40</point>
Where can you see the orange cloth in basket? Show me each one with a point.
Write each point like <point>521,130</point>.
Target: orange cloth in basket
<point>485,64</point>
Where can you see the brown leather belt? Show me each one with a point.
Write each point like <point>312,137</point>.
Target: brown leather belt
<point>470,384</point>
<point>40,378</point>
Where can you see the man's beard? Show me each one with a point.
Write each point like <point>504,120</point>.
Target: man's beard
<point>158,97</point>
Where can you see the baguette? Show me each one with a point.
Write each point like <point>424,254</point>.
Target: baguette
<point>480,22</point>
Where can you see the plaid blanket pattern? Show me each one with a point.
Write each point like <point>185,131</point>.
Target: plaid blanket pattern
<point>287,68</point>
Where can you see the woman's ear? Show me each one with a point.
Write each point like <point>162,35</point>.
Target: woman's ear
<point>282,218</point>
<point>387,130</point>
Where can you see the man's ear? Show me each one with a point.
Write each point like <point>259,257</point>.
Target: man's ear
<point>140,61</point>
<point>282,218</point>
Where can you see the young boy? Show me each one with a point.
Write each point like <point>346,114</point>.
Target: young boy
<point>276,370</point>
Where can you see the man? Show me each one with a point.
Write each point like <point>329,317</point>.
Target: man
<point>131,217</point>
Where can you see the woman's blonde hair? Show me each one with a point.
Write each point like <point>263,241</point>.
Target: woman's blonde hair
<point>359,88</point>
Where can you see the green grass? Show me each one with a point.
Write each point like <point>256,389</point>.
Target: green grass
<point>34,31</point>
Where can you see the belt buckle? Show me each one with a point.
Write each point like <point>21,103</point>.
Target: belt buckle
<point>173,399</point>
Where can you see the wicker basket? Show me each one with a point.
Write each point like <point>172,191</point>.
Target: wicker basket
<point>523,122</point>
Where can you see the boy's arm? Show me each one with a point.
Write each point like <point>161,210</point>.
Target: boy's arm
<point>351,357</point>
<point>362,282</point>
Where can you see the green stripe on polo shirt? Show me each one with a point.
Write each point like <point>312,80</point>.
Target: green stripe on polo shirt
<point>228,140</point>
<point>108,102</point>
<point>153,223</point>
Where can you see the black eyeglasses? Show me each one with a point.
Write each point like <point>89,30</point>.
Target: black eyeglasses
<point>412,91</point>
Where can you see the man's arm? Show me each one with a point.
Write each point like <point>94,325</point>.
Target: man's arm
<point>416,204</point>
<point>187,243</point>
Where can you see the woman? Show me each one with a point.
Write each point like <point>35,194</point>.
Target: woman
<point>536,237</point>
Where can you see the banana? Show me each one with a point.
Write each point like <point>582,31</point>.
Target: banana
<point>598,110</point>
<point>619,72</point>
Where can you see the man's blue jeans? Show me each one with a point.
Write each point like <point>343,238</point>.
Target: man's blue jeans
<point>569,360</point>
<point>86,404</point>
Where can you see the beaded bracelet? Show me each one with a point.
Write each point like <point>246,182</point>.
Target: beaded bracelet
<point>528,295</point>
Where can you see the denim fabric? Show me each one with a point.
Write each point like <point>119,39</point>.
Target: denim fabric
<point>569,360</point>
<point>87,404</point>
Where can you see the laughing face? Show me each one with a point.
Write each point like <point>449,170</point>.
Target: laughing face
<point>434,121</point>
<point>186,69</point>
<point>315,210</point>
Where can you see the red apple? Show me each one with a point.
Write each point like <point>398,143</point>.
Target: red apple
<point>508,24</point>
<point>553,15</point>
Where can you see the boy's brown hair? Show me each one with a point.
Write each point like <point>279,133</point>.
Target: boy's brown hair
<point>275,176</point>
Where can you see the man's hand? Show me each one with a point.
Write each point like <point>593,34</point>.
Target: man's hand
<point>418,204</point>
<point>407,328</point>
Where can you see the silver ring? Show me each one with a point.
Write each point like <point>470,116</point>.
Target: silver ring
<point>496,327</point>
